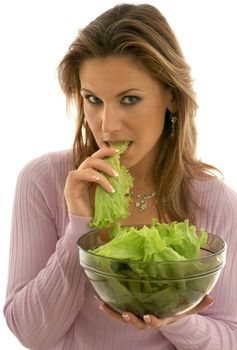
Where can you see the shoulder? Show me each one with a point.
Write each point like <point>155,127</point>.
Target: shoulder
<point>215,190</point>
<point>48,165</point>
<point>45,175</point>
<point>41,181</point>
<point>219,206</point>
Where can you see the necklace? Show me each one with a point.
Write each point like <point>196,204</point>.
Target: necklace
<point>141,200</point>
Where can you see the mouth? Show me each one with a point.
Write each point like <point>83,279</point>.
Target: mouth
<point>110,143</point>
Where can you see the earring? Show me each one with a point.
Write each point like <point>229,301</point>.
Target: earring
<point>173,119</point>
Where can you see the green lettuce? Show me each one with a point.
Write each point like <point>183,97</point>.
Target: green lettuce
<point>158,242</point>
<point>110,207</point>
<point>136,283</point>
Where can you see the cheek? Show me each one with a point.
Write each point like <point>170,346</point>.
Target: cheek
<point>95,128</point>
<point>153,125</point>
<point>87,113</point>
<point>155,118</point>
<point>91,118</point>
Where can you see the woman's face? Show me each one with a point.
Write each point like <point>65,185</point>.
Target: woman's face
<point>123,103</point>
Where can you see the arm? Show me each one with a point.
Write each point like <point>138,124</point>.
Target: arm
<point>216,328</point>
<point>206,327</point>
<point>201,332</point>
<point>46,284</point>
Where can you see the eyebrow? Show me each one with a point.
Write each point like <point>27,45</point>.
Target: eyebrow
<point>118,95</point>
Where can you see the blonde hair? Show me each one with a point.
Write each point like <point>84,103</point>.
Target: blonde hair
<point>142,33</point>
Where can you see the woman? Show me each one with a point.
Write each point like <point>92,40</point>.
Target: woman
<point>127,76</point>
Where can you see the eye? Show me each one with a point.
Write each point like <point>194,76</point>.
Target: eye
<point>93,99</point>
<point>130,100</point>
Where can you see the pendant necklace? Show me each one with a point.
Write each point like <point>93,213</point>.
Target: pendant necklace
<point>141,200</point>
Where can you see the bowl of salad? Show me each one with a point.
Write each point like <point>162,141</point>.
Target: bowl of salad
<point>164,269</point>
<point>160,269</point>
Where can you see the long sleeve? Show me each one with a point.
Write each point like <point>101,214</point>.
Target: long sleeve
<point>50,303</point>
<point>46,283</point>
<point>215,329</point>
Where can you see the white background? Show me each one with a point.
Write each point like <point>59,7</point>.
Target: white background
<point>34,36</point>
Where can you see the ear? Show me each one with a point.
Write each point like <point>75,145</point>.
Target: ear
<point>172,102</point>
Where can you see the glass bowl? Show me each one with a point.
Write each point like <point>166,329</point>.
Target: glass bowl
<point>165,289</point>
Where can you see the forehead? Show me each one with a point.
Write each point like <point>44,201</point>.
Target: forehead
<point>113,69</point>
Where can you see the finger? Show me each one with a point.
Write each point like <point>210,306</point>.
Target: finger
<point>203,305</point>
<point>99,165</point>
<point>134,321</point>
<point>90,175</point>
<point>94,176</point>
<point>154,322</point>
<point>108,311</point>
<point>105,152</point>
<point>126,317</point>
<point>103,182</point>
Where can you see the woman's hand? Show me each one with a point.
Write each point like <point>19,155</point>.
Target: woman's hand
<point>150,321</point>
<point>80,185</point>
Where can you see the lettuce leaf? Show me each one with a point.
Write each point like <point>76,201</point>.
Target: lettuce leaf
<point>134,282</point>
<point>158,242</point>
<point>110,207</point>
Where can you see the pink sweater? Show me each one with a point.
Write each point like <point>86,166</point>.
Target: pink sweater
<point>51,305</point>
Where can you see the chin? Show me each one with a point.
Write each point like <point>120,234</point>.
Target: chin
<point>130,163</point>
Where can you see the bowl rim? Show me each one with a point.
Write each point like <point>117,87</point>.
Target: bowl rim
<point>180,262</point>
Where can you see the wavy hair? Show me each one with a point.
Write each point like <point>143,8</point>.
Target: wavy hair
<point>142,33</point>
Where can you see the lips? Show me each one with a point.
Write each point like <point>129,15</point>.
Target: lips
<point>110,143</point>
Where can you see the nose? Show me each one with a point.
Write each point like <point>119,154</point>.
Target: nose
<point>111,121</point>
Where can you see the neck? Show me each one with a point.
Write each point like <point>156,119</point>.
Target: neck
<point>143,184</point>
<point>143,175</point>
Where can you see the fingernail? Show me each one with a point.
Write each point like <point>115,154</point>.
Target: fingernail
<point>147,318</point>
<point>112,190</point>
<point>126,317</point>
<point>211,302</point>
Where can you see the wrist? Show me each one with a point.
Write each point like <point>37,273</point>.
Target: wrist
<point>77,226</point>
